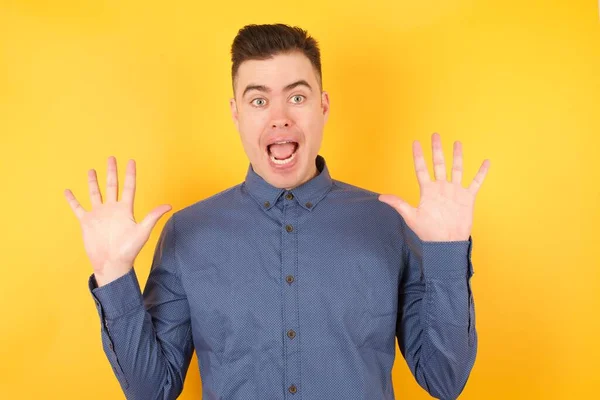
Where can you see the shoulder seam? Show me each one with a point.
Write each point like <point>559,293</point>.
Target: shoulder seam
<point>177,270</point>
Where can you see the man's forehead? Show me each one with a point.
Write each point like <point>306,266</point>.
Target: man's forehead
<point>278,73</point>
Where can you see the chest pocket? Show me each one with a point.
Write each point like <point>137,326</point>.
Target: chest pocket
<point>377,282</point>
<point>352,290</point>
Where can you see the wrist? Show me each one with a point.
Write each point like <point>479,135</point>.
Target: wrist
<point>111,273</point>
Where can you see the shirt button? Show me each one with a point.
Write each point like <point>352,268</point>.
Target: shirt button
<point>289,228</point>
<point>292,389</point>
<point>289,196</point>
<point>110,346</point>
<point>291,334</point>
<point>308,204</point>
<point>289,278</point>
<point>267,204</point>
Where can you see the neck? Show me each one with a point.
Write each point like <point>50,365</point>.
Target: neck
<point>314,173</point>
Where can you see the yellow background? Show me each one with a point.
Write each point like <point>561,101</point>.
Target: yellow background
<point>516,82</point>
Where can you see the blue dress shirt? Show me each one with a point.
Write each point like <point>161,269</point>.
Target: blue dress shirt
<point>292,295</point>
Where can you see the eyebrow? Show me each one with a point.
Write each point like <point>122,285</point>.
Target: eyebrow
<point>263,88</point>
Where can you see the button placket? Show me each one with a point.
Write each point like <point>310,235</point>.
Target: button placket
<point>289,259</point>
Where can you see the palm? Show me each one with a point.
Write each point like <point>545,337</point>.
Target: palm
<point>445,210</point>
<point>111,234</point>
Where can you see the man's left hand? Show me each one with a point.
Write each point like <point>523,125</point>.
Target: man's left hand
<point>445,211</point>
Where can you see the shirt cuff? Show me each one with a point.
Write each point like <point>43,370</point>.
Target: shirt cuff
<point>442,259</point>
<point>118,297</point>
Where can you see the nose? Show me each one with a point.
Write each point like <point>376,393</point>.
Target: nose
<point>281,123</point>
<point>280,119</point>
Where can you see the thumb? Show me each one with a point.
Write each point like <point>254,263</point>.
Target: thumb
<point>153,216</point>
<point>403,208</point>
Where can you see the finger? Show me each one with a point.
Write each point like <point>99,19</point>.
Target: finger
<point>420,166</point>
<point>478,180</point>
<point>153,216</point>
<point>95,195</point>
<point>457,163</point>
<point>75,206</point>
<point>112,180</point>
<point>129,186</point>
<point>439,166</point>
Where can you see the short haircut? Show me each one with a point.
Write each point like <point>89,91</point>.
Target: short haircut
<point>261,42</point>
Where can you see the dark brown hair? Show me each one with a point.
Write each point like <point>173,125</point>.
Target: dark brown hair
<point>261,42</point>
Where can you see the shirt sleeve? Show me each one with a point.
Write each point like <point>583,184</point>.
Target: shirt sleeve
<point>147,337</point>
<point>436,314</point>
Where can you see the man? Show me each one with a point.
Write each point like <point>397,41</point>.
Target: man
<point>290,284</point>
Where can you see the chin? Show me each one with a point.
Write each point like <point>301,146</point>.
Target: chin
<point>289,182</point>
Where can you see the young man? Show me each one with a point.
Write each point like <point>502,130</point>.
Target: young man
<point>290,284</point>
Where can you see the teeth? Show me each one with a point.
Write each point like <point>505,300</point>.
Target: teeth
<point>281,162</point>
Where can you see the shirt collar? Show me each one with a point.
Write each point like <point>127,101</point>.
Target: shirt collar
<point>308,194</point>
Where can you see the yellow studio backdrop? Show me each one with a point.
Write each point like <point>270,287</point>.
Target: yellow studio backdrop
<point>516,82</point>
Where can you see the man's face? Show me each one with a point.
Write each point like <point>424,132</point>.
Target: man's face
<point>278,100</point>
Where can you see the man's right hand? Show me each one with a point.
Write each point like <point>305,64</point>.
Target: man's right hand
<point>111,236</point>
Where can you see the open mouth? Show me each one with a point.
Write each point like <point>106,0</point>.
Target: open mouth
<point>282,152</point>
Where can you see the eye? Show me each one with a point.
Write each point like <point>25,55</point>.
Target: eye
<point>255,102</point>
<point>298,96</point>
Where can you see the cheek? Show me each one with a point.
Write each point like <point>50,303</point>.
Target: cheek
<point>314,124</point>
<point>251,128</point>
<point>255,121</point>
<point>251,140</point>
<point>307,118</point>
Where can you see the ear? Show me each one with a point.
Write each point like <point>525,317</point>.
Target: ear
<point>234,113</point>
<point>325,105</point>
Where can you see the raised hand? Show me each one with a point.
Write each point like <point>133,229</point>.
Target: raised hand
<point>111,236</point>
<point>445,210</point>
